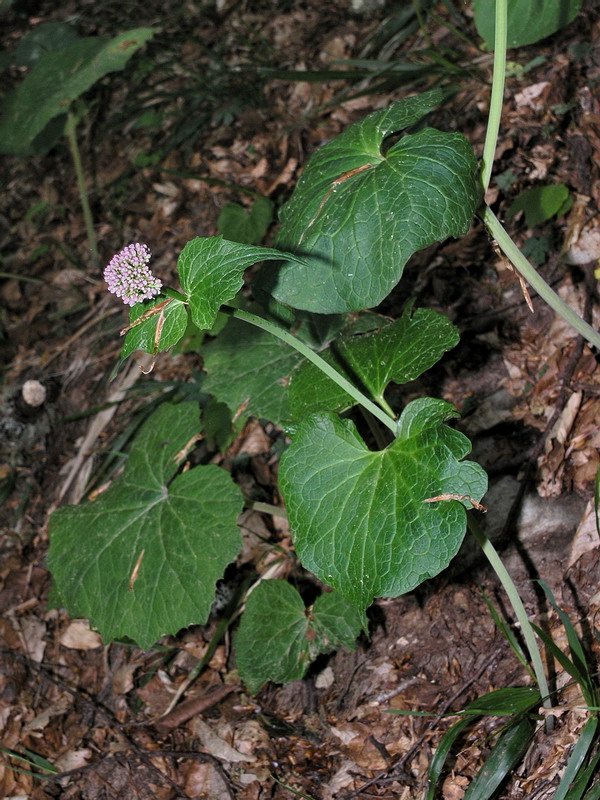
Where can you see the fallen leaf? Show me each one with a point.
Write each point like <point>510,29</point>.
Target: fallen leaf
<point>78,636</point>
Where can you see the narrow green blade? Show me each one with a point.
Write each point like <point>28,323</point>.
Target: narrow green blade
<point>505,755</point>
<point>576,760</point>
<point>441,754</point>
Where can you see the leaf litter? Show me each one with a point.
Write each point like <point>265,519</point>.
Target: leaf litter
<point>86,707</point>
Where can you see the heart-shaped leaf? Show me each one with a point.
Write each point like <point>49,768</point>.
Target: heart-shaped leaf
<point>358,212</point>
<point>337,622</point>
<point>278,638</point>
<point>211,273</point>
<point>398,351</point>
<point>360,519</point>
<point>142,560</point>
<point>59,78</point>
<point>238,225</point>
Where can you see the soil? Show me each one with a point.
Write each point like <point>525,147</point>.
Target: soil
<point>527,386</point>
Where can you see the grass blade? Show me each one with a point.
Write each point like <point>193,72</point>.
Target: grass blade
<point>566,663</point>
<point>582,780</point>
<point>506,630</point>
<point>577,652</point>
<point>442,752</point>
<point>502,702</point>
<point>506,702</point>
<point>506,754</point>
<point>576,759</point>
<point>594,792</point>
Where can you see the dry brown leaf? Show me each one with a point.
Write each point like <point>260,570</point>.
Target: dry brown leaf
<point>586,537</point>
<point>79,636</point>
<point>216,745</point>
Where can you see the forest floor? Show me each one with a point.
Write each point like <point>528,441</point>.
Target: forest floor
<point>527,387</point>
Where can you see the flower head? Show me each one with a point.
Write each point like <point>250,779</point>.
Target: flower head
<point>128,276</point>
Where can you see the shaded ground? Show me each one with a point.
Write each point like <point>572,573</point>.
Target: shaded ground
<point>528,389</point>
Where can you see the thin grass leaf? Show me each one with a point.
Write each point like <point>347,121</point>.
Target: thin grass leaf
<point>577,651</point>
<point>506,630</point>
<point>408,713</point>
<point>566,663</point>
<point>505,755</point>
<point>577,758</point>
<point>292,790</point>
<point>441,754</point>
<point>392,32</point>
<point>594,792</point>
<point>37,775</point>
<point>597,500</point>
<point>582,781</point>
<point>503,702</point>
<point>31,758</point>
<point>506,702</point>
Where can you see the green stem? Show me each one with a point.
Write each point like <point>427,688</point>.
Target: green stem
<point>268,508</point>
<point>85,204</point>
<point>174,294</point>
<point>385,405</point>
<point>491,135</point>
<point>319,362</point>
<point>510,249</point>
<point>492,556</point>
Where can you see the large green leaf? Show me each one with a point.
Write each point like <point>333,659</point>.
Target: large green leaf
<point>58,79</point>
<point>173,320</point>
<point>359,212</point>
<point>528,20</point>
<point>358,517</point>
<point>278,637</point>
<point>399,352</point>
<point>211,272</point>
<point>246,365</point>
<point>142,560</point>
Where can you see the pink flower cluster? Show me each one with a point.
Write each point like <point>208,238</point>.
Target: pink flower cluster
<point>128,276</point>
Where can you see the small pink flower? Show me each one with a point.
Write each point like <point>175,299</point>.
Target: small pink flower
<point>128,276</point>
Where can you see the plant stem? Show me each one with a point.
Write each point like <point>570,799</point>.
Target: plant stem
<point>385,405</point>
<point>319,362</point>
<point>492,556</point>
<point>85,204</point>
<point>510,249</point>
<point>491,134</point>
<point>268,508</point>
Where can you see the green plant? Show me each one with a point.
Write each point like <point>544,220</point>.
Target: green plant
<point>47,103</point>
<point>366,522</point>
<point>519,705</point>
<point>541,203</point>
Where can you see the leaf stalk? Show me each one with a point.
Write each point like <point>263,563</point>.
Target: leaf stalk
<point>318,361</point>
<point>522,265</point>
<point>498,78</point>
<point>70,126</point>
